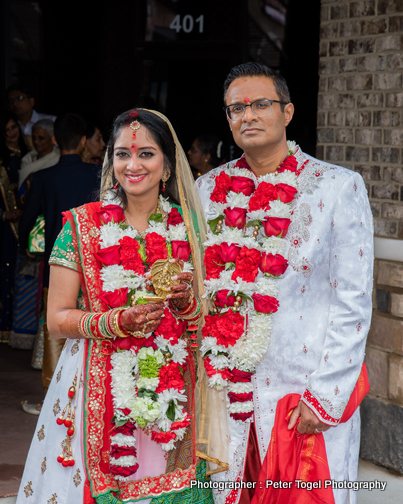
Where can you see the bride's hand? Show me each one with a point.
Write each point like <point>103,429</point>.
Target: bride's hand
<point>145,317</point>
<point>181,292</point>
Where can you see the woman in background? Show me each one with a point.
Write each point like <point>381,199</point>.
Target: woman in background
<point>12,148</point>
<point>205,154</point>
<point>94,146</point>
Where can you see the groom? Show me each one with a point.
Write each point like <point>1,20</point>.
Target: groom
<point>289,257</point>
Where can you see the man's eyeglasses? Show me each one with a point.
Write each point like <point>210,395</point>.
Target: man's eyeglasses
<point>16,98</point>
<point>261,108</point>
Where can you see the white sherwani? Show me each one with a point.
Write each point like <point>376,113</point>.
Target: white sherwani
<point>319,332</point>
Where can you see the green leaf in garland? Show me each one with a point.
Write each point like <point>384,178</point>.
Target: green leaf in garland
<point>254,223</point>
<point>148,393</point>
<point>245,296</point>
<point>142,252</point>
<point>156,218</point>
<point>213,223</point>
<point>123,226</point>
<point>229,266</point>
<point>171,410</point>
<point>169,248</point>
<point>119,423</point>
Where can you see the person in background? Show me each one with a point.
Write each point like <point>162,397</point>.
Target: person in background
<point>28,275</point>
<point>94,146</point>
<point>205,154</point>
<point>70,183</point>
<point>12,148</point>
<point>45,153</point>
<point>21,102</point>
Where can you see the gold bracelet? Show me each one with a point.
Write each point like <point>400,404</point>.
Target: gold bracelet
<point>115,323</point>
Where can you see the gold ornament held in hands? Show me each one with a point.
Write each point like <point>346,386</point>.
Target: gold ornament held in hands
<point>162,272</point>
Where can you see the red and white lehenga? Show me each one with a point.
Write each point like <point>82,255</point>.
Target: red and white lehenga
<point>87,365</point>
<point>301,328</point>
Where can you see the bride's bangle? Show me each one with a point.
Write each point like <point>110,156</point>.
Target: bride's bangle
<point>101,325</point>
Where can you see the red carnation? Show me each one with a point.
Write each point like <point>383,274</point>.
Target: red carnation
<point>162,437</point>
<point>274,265</point>
<point>156,248</point>
<point>127,429</point>
<point>230,327</point>
<point>240,376</point>
<point>170,328</point>
<point>213,262</point>
<point>170,378</point>
<point>265,304</point>
<point>222,299</point>
<point>220,191</point>
<point>276,226</point>
<point>116,298</point>
<point>130,256</point>
<point>241,416</point>
<point>242,185</point>
<point>247,265</point>
<point>174,217</point>
<point>122,451</point>
<point>123,470</point>
<point>244,397</point>
<point>289,163</point>
<point>108,255</point>
<point>111,213</point>
<point>264,193</point>
<point>285,192</point>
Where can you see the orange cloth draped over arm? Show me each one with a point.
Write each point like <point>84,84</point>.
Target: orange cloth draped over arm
<point>292,456</point>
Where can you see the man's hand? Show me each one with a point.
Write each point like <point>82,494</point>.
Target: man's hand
<point>309,423</point>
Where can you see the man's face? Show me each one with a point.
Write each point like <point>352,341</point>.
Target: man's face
<point>20,104</point>
<point>252,132</point>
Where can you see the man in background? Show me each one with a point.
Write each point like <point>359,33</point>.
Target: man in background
<point>68,184</point>
<point>22,102</point>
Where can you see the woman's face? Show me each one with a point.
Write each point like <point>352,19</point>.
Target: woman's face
<point>138,163</point>
<point>42,141</point>
<point>95,144</point>
<point>12,132</point>
<point>196,157</point>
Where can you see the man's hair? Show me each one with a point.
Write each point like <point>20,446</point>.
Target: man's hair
<point>69,130</point>
<point>252,69</point>
<point>47,124</point>
<point>21,88</point>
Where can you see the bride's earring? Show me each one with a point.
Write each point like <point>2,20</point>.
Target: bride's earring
<point>165,176</point>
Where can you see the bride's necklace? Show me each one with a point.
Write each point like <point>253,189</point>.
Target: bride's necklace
<point>159,210</point>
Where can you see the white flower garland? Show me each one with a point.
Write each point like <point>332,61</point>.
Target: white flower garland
<point>252,346</point>
<point>125,378</point>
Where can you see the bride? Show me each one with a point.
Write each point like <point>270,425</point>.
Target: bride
<point>118,422</point>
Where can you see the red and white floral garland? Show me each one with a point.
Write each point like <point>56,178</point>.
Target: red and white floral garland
<point>244,257</point>
<point>147,374</point>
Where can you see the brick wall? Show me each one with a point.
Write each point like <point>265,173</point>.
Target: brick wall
<point>360,126</point>
<point>360,102</point>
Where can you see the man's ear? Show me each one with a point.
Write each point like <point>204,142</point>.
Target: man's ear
<point>54,140</point>
<point>288,113</point>
<point>32,102</point>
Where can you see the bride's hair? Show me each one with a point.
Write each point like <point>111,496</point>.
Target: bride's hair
<point>162,136</point>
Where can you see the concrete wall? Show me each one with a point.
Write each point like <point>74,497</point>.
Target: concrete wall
<point>360,126</point>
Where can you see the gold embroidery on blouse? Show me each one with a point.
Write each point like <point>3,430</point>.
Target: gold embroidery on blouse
<point>28,489</point>
<point>41,433</point>
<point>75,348</point>
<point>56,407</point>
<point>59,374</point>
<point>77,478</point>
<point>53,499</point>
<point>43,466</point>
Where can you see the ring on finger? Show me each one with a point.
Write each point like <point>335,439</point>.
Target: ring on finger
<point>147,318</point>
<point>317,431</point>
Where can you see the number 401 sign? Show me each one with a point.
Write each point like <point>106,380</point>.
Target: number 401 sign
<point>187,23</point>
